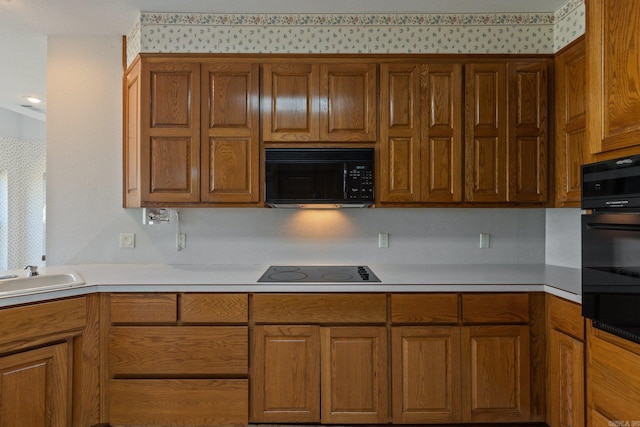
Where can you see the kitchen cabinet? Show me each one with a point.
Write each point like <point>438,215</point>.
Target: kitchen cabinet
<point>566,372</point>
<point>320,102</point>
<point>151,336</point>
<point>613,77</point>
<point>307,370</point>
<point>571,145</point>
<point>420,133</point>
<point>191,133</point>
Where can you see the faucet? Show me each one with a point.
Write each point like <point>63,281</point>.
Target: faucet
<point>33,270</point>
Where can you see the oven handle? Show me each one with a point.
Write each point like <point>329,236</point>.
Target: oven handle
<point>613,227</point>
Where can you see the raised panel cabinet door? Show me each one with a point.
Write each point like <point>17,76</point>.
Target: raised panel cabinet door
<point>348,102</point>
<point>486,132</point>
<point>131,143</point>
<point>571,149</point>
<point>425,370</point>
<point>291,104</point>
<point>230,133</point>
<point>354,375</point>
<point>613,74</point>
<point>496,373</point>
<point>170,143</point>
<point>566,371</point>
<point>441,132</point>
<point>400,133</point>
<point>528,131</point>
<point>34,388</point>
<point>286,374</point>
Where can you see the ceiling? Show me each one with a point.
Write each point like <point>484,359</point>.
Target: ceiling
<point>25,25</point>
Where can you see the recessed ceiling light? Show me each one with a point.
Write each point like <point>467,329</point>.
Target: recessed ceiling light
<point>34,99</point>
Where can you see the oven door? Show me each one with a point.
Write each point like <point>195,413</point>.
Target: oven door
<point>611,272</point>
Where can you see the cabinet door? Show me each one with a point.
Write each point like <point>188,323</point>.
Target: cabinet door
<point>495,373</point>
<point>286,374</point>
<point>566,369</point>
<point>34,388</point>
<point>486,133</point>
<point>170,143</point>
<point>570,152</point>
<point>230,133</point>
<point>426,375</point>
<point>528,131</point>
<point>354,375</point>
<point>348,102</point>
<point>400,133</point>
<point>291,102</point>
<point>613,74</point>
<point>441,132</point>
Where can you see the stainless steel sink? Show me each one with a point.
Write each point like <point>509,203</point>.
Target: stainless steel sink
<point>41,283</point>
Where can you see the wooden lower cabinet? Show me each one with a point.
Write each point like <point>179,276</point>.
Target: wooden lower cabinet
<point>566,368</point>
<point>34,388</point>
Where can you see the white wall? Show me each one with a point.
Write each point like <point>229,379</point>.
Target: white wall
<point>563,237</point>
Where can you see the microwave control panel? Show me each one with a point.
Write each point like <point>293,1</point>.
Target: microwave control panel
<point>359,181</point>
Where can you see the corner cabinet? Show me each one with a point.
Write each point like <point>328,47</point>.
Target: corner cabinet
<point>191,133</point>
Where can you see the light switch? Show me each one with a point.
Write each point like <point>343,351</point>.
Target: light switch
<point>485,240</point>
<point>383,240</point>
<point>127,240</point>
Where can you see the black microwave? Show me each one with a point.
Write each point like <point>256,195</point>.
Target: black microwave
<point>319,177</point>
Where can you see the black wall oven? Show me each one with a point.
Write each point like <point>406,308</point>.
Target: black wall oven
<point>611,246</point>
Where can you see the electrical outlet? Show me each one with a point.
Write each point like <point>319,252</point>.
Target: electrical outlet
<point>181,241</point>
<point>383,240</point>
<point>485,240</point>
<point>127,240</point>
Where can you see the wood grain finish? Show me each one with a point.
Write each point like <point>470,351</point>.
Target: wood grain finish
<point>613,79</point>
<point>495,308</point>
<point>495,373</point>
<point>566,371</point>
<point>169,350</point>
<point>319,308</point>
<point>566,316</point>
<point>424,308</point>
<point>230,133</point>
<point>131,138</point>
<point>173,402</point>
<point>34,389</point>
<point>286,374</point>
<point>426,375</point>
<point>571,143</point>
<point>354,375</point>
<point>143,308</point>
<point>214,308</point>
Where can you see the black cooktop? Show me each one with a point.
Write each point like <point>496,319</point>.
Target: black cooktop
<point>319,273</point>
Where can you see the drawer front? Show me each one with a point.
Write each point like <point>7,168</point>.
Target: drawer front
<point>214,308</point>
<point>319,308</point>
<point>38,320</point>
<point>495,308</point>
<point>566,316</point>
<point>143,308</point>
<point>179,402</point>
<point>424,308</point>
<point>175,350</point>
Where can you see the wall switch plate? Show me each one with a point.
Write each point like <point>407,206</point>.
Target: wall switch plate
<point>153,216</point>
<point>127,240</point>
<point>181,241</point>
<point>383,240</point>
<point>485,240</point>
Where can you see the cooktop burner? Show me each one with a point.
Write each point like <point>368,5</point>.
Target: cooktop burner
<point>319,273</point>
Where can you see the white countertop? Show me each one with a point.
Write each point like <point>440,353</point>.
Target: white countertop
<point>561,281</point>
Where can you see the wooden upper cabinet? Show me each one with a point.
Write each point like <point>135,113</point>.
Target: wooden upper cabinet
<point>170,130</point>
<point>486,132</point>
<point>571,150</point>
<point>420,133</point>
<point>528,131</point>
<point>613,75</point>
<point>291,102</point>
<point>230,132</point>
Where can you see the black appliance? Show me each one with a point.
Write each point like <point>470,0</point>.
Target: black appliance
<point>319,273</point>
<point>319,177</point>
<point>611,246</point>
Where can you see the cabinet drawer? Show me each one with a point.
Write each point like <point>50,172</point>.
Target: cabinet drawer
<point>179,402</point>
<point>495,308</point>
<point>175,350</point>
<point>320,308</point>
<point>566,316</point>
<point>20,323</point>
<point>214,308</point>
<point>143,308</point>
<point>431,308</point>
